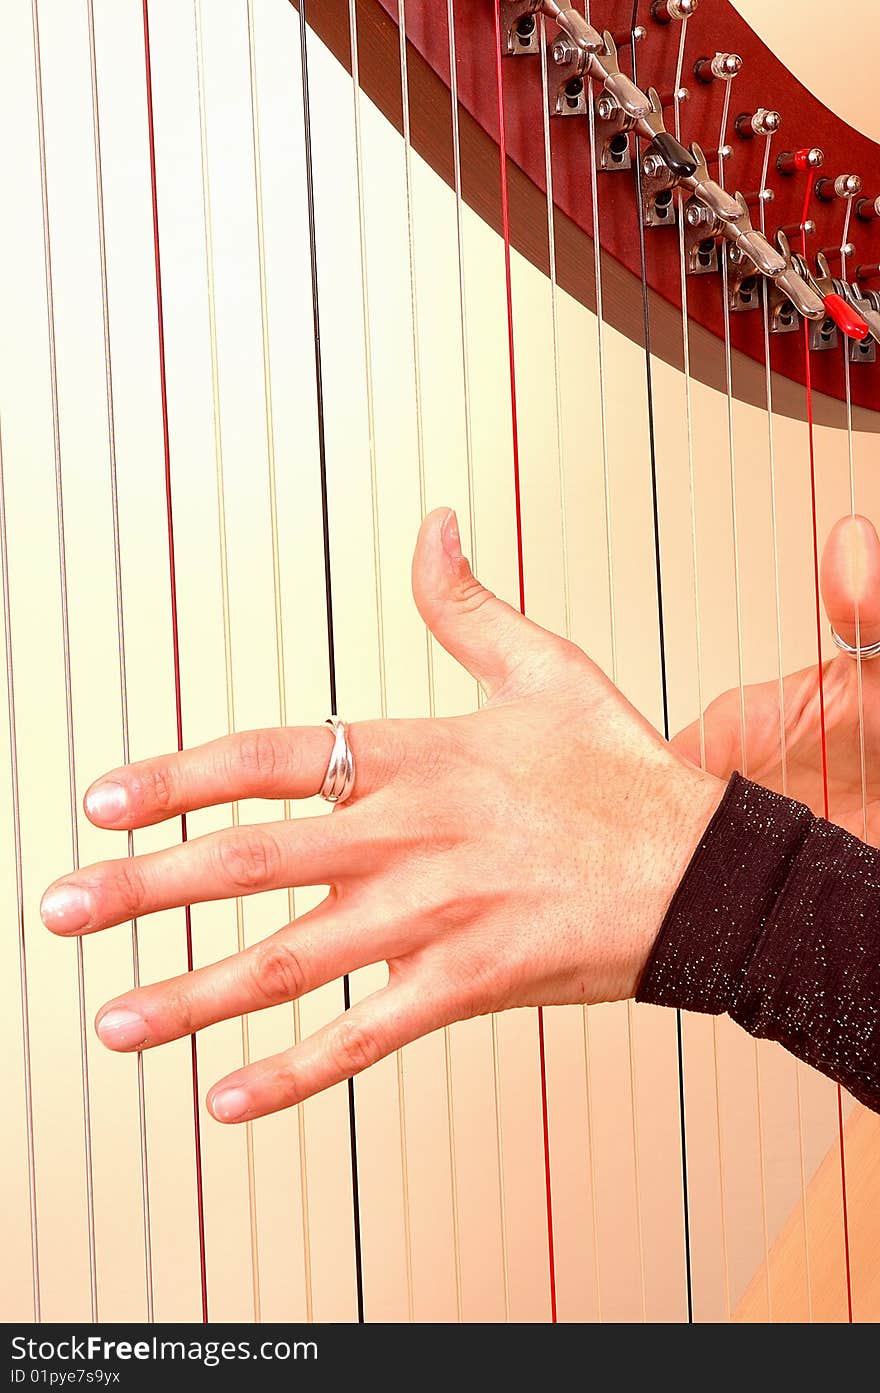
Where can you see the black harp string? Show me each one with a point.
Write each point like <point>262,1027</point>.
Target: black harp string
<point>698,635</point>
<point>120,620</point>
<point>66,656</point>
<point>328,579</point>
<point>661,627</point>
<point>366,322</point>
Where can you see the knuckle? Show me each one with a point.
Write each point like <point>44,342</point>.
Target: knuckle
<point>354,1048</point>
<point>278,972</point>
<point>177,1013</point>
<point>471,596</point>
<point>158,788</point>
<point>287,1084</point>
<point>260,753</point>
<point>248,859</point>
<point>128,888</point>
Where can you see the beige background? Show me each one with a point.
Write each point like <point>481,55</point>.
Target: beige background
<point>617,1189</point>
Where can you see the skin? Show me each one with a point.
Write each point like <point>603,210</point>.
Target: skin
<point>522,855</point>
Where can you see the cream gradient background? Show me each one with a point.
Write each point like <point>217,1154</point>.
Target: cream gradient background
<point>617,1188</point>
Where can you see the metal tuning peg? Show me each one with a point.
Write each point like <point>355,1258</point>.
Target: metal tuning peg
<point>618,88</point>
<point>519,26</point>
<point>619,107</point>
<point>705,215</point>
<point>571,52</point>
<point>857,318</point>
<point>868,209</point>
<point>665,11</point>
<point>665,162</point>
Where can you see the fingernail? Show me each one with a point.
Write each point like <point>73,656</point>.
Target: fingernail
<point>230,1104</point>
<point>122,1029</point>
<point>450,537</point>
<point>66,909</point>
<point>106,801</point>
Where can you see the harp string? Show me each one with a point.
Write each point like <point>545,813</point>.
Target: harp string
<point>65,639</point>
<point>612,618</point>
<point>698,629</point>
<point>429,650</point>
<point>472,521</point>
<point>606,487</point>
<point>328,582</point>
<point>821,693</point>
<point>207,218</point>
<point>847,383</point>
<point>554,317</point>
<point>780,669</point>
<point>505,221</point>
<point>175,629</point>
<point>377,567</point>
<point>737,574</point>
<point>24,996</point>
<point>664,684</point>
<point>120,622</point>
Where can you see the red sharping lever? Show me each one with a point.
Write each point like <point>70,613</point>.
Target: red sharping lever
<point>847,319</point>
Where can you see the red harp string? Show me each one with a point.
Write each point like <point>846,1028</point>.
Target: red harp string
<point>511,353</point>
<point>808,384</point>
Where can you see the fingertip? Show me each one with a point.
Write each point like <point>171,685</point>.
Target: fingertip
<point>227,1103</point>
<point>850,576</point>
<point>106,803</point>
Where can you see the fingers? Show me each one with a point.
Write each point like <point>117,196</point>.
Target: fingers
<point>492,640</point>
<point>851,580</point>
<point>237,861</point>
<point>384,1022</point>
<point>316,949</point>
<point>290,762</point>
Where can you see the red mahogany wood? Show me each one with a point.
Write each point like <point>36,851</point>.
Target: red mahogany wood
<point>428,73</point>
<point>763,81</point>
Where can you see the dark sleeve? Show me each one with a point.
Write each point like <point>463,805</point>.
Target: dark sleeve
<point>777,922</point>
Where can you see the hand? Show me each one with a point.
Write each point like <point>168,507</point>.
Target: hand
<point>850,581</point>
<point>521,855</point>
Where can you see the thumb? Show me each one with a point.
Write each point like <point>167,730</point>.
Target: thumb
<point>851,580</point>
<point>497,644</point>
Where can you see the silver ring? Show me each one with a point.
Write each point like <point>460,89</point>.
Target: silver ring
<point>865,652</point>
<point>339,779</point>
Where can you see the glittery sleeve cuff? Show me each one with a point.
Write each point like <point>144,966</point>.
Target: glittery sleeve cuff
<point>777,922</point>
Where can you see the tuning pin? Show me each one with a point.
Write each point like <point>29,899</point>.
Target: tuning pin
<point>868,272</point>
<point>868,209</point>
<point>796,161</point>
<point>794,229</point>
<point>759,196</point>
<point>665,11</point>
<point>844,186</point>
<point>848,249</point>
<point>761,122</point>
<point>669,97</point>
<point>722,152</point>
<point>625,37</point>
<point>722,67</point>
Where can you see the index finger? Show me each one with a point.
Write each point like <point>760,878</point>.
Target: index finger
<point>288,762</point>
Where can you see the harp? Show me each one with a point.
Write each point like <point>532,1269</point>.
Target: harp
<point>276,279</point>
